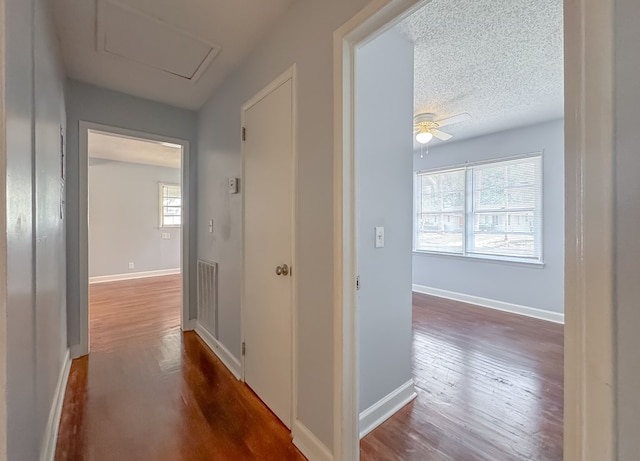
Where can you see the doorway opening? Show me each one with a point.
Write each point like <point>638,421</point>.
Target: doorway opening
<point>484,95</point>
<point>135,247</point>
<point>585,316</point>
<point>135,226</point>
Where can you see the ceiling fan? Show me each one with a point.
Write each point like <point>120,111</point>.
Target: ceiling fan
<point>425,127</point>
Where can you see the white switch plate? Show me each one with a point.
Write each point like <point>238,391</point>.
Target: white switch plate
<point>379,237</point>
<point>211,226</point>
<point>131,265</point>
<point>166,236</point>
<point>233,185</point>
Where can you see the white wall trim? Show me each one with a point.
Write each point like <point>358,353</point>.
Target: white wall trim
<point>589,334</point>
<point>48,449</point>
<point>534,312</point>
<point>309,444</point>
<point>376,17</point>
<point>226,357</point>
<point>76,351</point>
<point>386,407</point>
<point>133,275</point>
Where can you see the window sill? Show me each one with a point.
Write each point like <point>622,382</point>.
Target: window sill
<point>484,258</point>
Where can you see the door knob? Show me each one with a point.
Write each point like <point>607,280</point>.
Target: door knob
<point>282,270</point>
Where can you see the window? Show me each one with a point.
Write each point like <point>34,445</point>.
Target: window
<point>492,210</point>
<point>170,205</point>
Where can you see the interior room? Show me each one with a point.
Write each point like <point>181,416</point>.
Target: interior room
<point>486,180</point>
<point>135,208</point>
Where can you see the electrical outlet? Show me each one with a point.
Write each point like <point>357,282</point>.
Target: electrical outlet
<point>131,265</point>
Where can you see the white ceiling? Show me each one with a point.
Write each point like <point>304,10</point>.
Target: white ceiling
<point>499,60</point>
<point>115,148</point>
<point>171,51</point>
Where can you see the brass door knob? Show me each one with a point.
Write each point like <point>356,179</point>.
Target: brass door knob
<point>282,270</point>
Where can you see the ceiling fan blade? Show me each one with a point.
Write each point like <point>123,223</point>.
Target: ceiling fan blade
<point>441,135</point>
<point>455,119</point>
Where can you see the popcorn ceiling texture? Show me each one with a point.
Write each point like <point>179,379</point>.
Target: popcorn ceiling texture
<point>499,60</point>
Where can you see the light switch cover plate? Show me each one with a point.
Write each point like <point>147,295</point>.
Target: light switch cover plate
<point>379,237</point>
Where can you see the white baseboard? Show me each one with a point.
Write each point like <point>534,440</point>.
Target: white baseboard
<point>310,446</point>
<point>48,449</point>
<point>76,351</point>
<point>384,408</point>
<point>189,325</point>
<point>222,352</point>
<point>132,275</point>
<point>541,314</point>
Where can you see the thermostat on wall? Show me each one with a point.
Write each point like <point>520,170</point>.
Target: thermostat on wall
<point>233,185</point>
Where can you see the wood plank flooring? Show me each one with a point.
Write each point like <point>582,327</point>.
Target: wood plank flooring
<point>489,384</point>
<point>149,392</point>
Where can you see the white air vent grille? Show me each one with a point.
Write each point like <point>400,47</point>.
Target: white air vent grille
<point>208,296</point>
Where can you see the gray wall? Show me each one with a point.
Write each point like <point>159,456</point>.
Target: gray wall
<point>384,170</point>
<point>303,36</point>
<point>627,213</point>
<point>525,285</point>
<point>36,320</point>
<point>124,206</point>
<point>92,104</point>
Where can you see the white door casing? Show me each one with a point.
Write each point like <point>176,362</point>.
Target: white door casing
<point>267,301</point>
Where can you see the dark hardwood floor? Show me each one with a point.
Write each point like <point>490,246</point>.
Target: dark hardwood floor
<point>147,391</point>
<point>489,384</point>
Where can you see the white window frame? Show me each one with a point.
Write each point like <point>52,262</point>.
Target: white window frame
<point>468,232</point>
<point>161,214</point>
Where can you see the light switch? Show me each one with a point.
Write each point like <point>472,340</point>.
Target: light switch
<point>379,237</point>
<point>211,226</point>
<point>233,185</point>
<point>166,236</point>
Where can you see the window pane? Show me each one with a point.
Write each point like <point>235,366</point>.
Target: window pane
<point>171,190</point>
<point>171,207</point>
<point>440,232</point>
<point>440,208</point>
<point>506,214</point>
<point>172,211</point>
<point>504,233</point>
<point>172,220</point>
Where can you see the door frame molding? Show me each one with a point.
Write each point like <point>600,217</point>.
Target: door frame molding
<point>289,74</point>
<point>3,241</point>
<point>589,413</point>
<point>83,189</point>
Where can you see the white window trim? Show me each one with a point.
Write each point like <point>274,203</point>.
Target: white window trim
<point>468,210</point>
<point>161,224</point>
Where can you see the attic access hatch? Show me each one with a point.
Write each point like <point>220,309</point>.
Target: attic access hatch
<point>138,37</point>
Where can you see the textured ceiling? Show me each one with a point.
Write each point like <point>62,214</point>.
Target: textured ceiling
<point>235,26</point>
<point>109,147</point>
<point>499,60</point>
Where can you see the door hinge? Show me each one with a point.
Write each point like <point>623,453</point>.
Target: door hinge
<point>244,134</point>
<point>357,282</point>
<point>244,348</point>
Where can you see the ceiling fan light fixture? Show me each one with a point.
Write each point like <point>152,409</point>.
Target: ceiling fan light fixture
<point>424,137</point>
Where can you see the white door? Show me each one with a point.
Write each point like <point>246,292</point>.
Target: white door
<point>268,218</point>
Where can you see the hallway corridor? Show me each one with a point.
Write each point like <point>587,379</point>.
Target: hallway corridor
<point>147,391</point>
